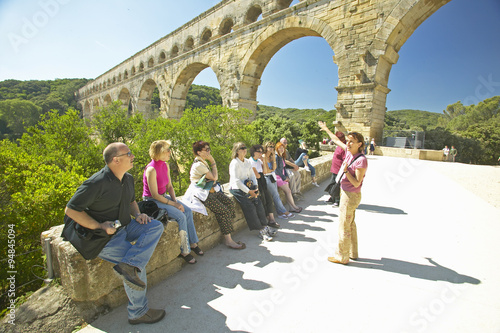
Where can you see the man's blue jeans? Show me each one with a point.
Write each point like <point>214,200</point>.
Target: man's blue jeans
<point>300,163</point>
<point>119,249</point>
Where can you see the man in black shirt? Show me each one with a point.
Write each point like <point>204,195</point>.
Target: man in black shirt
<point>106,196</point>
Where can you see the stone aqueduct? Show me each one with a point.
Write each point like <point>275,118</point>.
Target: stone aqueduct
<point>238,38</point>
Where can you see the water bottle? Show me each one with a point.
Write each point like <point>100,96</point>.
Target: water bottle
<point>117,224</point>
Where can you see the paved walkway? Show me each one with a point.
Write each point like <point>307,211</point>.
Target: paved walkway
<point>428,264</point>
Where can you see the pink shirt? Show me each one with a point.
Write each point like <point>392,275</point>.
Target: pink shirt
<point>338,158</point>
<point>360,163</point>
<point>162,180</point>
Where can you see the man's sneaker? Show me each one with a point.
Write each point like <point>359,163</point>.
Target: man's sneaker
<point>335,204</point>
<point>271,231</point>
<point>307,168</point>
<point>129,275</point>
<point>330,200</point>
<point>151,317</point>
<point>264,235</point>
<point>274,225</point>
<point>315,184</point>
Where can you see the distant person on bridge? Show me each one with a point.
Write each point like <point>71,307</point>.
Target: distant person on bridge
<point>446,152</point>
<point>453,152</point>
<point>372,146</point>
<point>354,168</point>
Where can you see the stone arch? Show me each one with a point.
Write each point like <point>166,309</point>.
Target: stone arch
<point>87,110</point>
<point>397,29</point>
<point>205,36</point>
<point>95,104</point>
<point>253,14</point>
<point>282,4</point>
<point>151,62</point>
<point>162,57</point>
<point>271,41</point>
<point>174,52</point>
<point>124,97</point>
<point>141,67</point>
<point>181,88</point>
<point>145,95</point>
<point>226,26</point>
<point>189,44</point>
<point>132,71</point>
<point>107,100</point>
<point>125,75</point>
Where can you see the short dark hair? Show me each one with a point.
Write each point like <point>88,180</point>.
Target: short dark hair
<point>198,146</point>
<point>254,148</point>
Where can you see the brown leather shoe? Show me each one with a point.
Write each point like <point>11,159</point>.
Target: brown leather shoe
<point>129,275</point>
<point>151,317</point>
<point>332,259</point>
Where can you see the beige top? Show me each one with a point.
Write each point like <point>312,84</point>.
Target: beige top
<point>198,169</point>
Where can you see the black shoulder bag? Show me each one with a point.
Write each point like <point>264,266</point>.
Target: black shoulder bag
<point>332,187</point>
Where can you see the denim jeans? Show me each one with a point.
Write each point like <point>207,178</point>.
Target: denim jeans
<point>273,189</point>
<point>187,231</point>
<point>119,249</point>
<point>300,163</point>
<point>253,210</point>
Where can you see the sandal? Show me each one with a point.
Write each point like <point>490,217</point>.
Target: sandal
<point>197,250</point>
<point>297,210</point>
<point>243,246</point>
<point>188,259</point>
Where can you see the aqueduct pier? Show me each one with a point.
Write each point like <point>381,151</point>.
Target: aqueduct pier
<point>238,38</point>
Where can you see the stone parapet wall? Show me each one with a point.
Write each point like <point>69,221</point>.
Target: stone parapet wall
<point>420,154</point>
<point>93,280</point>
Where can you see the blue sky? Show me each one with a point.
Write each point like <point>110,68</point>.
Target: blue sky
<point>453,56</point>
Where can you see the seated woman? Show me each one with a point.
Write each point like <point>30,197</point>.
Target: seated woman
<point>302,160</point>
<point>256,151</point>
<point>282,179</point>
<point>240,173</point>
<point>269,165</point>
<point>199,199</point>
<point>157,184</point>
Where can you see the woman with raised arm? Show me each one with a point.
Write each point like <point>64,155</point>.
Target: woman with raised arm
<point>282,178</point>
<point>158,188</point>
<point>200,198</point>
<point>354,168</point>
<point>244,188</point>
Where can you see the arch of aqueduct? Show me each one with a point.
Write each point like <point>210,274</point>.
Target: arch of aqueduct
<point>365,36</point>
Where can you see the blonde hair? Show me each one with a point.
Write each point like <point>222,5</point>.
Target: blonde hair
<point>236,147</point>
<point>158,147</point>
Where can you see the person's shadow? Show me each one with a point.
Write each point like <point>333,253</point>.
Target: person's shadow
<point>419,271</point>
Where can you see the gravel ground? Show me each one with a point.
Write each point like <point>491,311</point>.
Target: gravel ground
<point>482,180</point>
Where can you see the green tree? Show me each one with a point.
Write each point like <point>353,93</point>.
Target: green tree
<point>17,114</point>
<point>112,124</point>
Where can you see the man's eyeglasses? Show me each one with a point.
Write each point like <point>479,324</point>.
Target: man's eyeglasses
<point>128,154</point>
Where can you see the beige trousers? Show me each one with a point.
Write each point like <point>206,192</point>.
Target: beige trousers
<point>348,235</point>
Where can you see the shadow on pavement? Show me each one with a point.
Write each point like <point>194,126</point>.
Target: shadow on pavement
<point>381,209</point>
<point>419,271</point>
